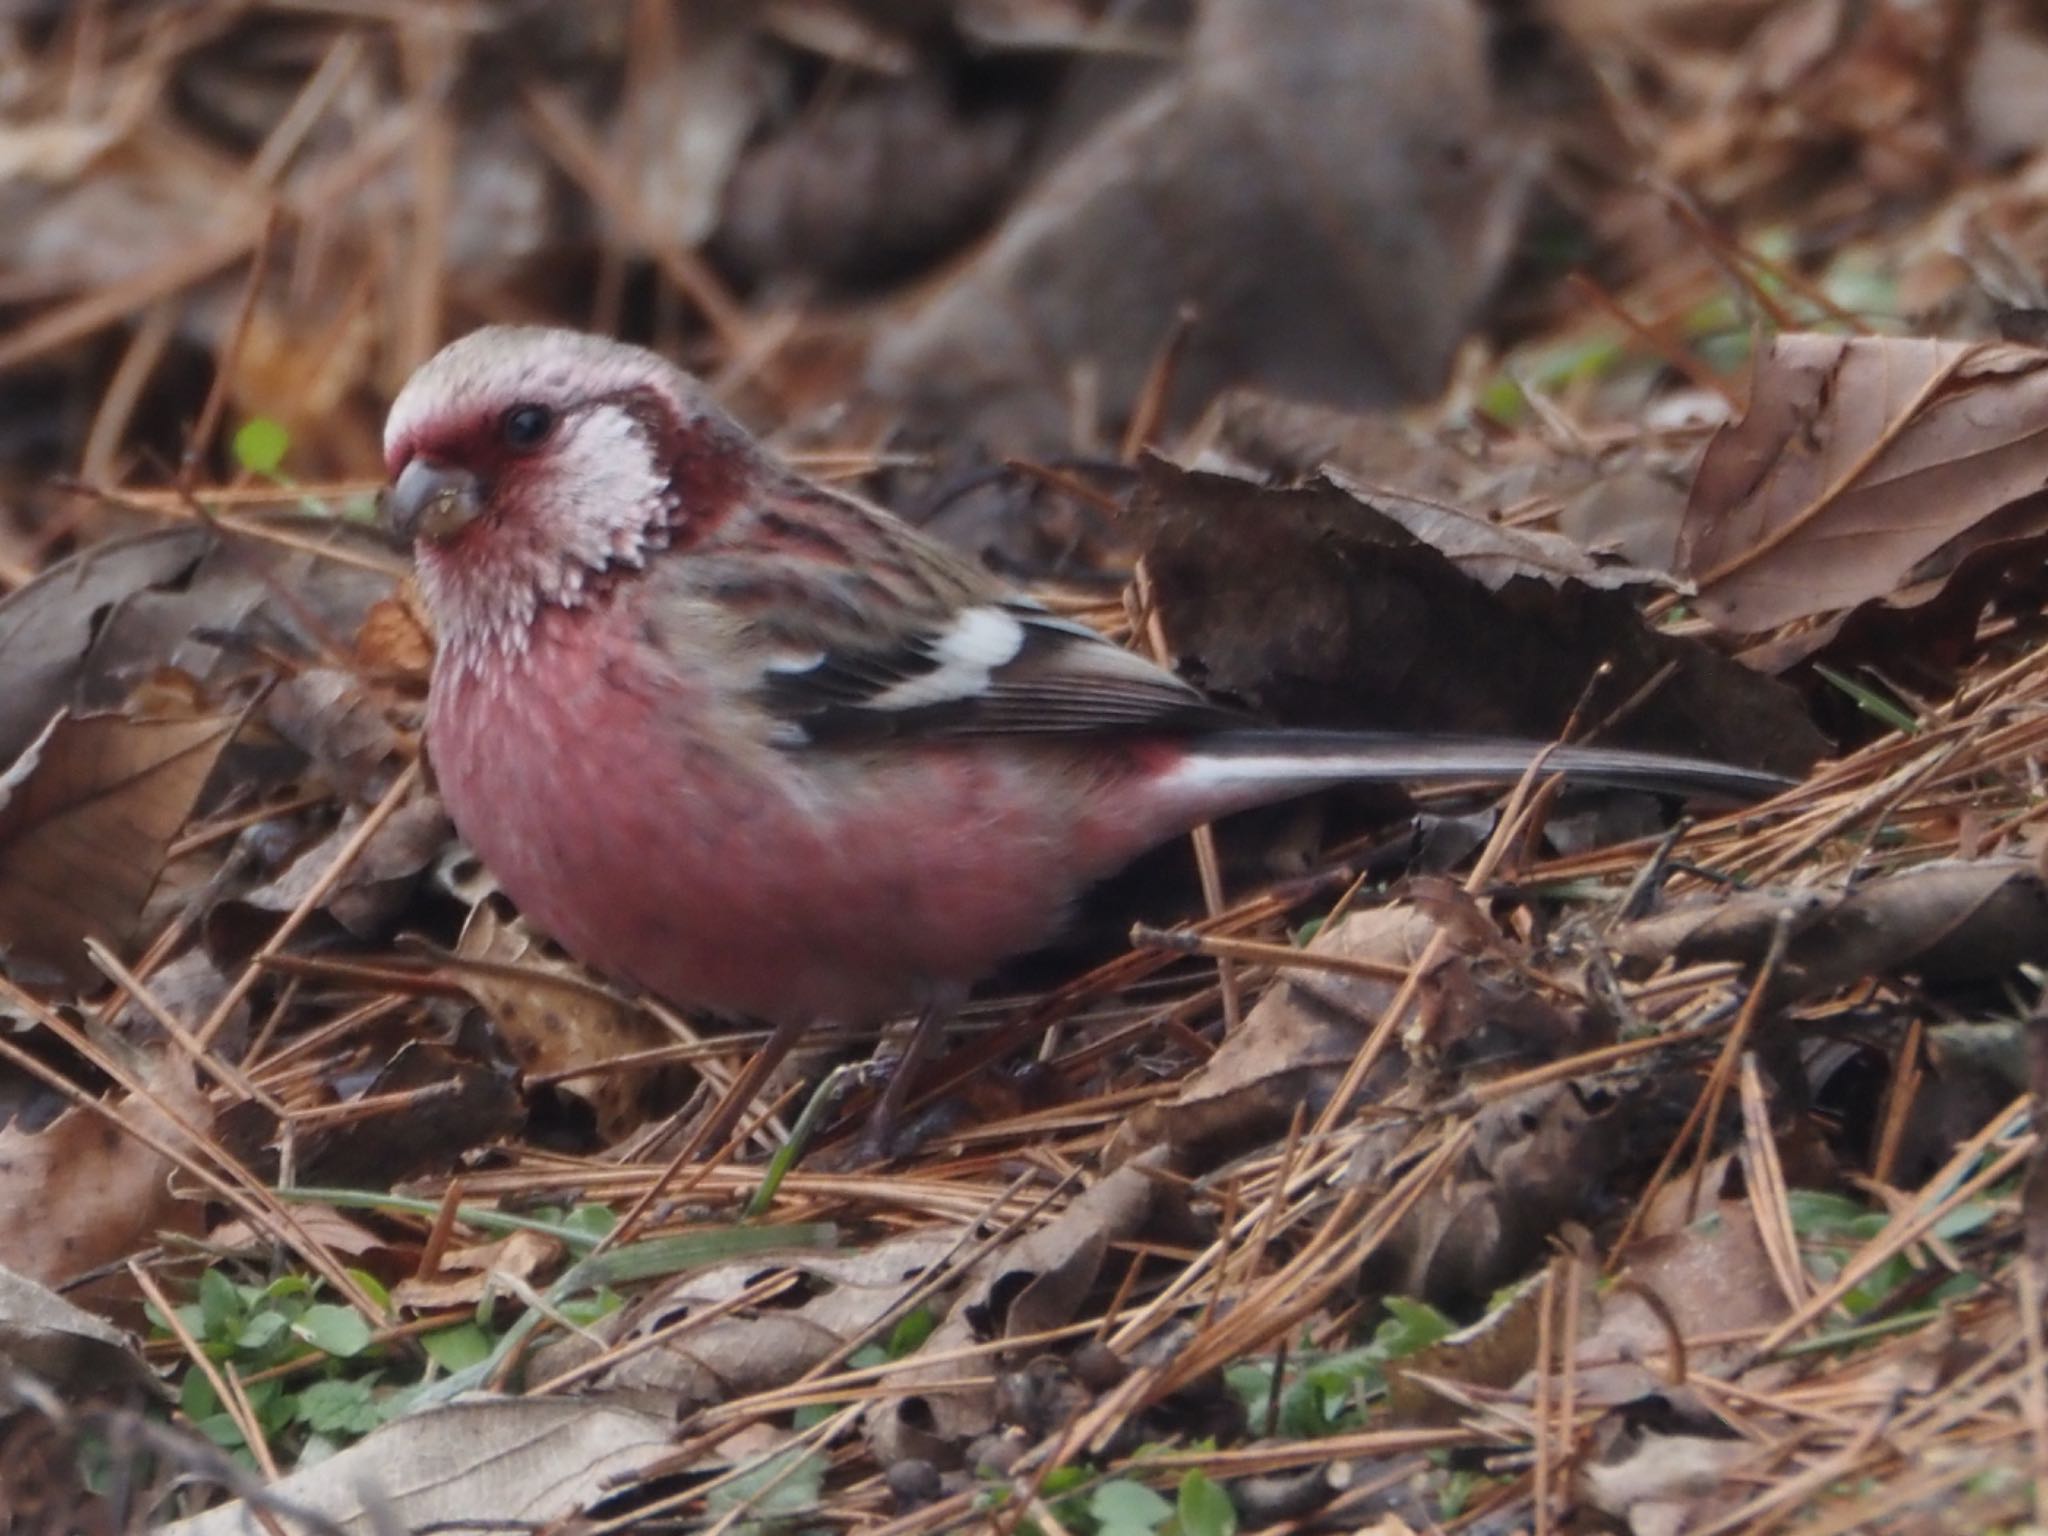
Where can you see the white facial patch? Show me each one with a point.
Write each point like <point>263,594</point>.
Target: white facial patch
<point>601,498</point>
<point>978,641</point>
<point>598,501</point>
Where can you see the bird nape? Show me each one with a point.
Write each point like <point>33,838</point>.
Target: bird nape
<point>761,748</point>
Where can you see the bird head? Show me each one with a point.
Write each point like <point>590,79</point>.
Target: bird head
<point>528,464</point>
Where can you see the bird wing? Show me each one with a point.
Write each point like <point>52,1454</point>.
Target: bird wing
<point>864,629</point>
<point>1004,668</point>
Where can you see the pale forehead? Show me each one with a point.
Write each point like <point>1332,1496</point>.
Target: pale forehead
<point>505,365</point>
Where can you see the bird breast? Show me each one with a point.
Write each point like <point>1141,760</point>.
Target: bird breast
<point>636,811</point>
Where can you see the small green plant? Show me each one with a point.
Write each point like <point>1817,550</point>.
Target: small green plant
<point>260,445</point>
<point>906,1338</point>
<point>1120,1507</point>
<point>1087,1504</point>
<point>314,1374</point>
<point>1832,1228</point>
<point>319,1376</point>
<point>1203,1508</point>
<point>777,1489</point>
<point>1323,1392</point>
<point>909,1334</point>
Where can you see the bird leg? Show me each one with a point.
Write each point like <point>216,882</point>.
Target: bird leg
<point>725,1115</point>
<point>876,1135</point>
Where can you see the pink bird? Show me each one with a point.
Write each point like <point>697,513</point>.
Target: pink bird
<point>757,746</point>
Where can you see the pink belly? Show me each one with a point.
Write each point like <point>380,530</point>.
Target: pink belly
<point>757,882</point>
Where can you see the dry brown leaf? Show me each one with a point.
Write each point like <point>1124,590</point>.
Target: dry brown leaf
<point>457,1104</point>
<point>1293,1046</point>
<point>1711,1277</point>
<point>1859,459</point>
<point>327,714</point>
<point>1537,1161</point>
<point>1663,1484</point>
<point>79,635</point>
<point>81,1192</point>
<point>365,902</point>
<point>323,1224</point>
<point>758,1348</point>
<point>62,1345</point>
<point>490,1461</point>
<point>48,627</point>
<point>554,1018</point>
<point>1318,606</point>
<point>1496,1351</point>
<point>1945,920</point>
<point>86,816</point>
<point>394,639</point>
<point>467,1274</point>
<point>1034,1284</point>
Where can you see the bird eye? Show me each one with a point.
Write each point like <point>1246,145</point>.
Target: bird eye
<point>526,426</point>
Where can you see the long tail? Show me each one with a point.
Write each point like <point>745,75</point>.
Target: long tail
<point>1234,769</point>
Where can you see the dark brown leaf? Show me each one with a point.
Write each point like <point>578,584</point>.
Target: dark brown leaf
<point>1316,607</point>
<point>86,816</point>
<point>81,1192</point>
<point>1949,920</point>
<point>1859,458</point>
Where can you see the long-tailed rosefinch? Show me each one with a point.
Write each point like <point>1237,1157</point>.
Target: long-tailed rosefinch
<point>759,747</point>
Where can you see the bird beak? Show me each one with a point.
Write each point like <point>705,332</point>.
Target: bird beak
<point>431,501</point>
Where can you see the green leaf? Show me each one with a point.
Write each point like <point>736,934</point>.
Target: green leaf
<point>1252,1382</point>
<point>196,1398</point>
<point>372,1287</point>
<point>600,1304</point>
<point>339,1408</point>
<point>797,1476</point>
<point>457,1348</point>
<point>1458,1487</point>
<point>1877,705</point>
<point>1062,1480</point>
<point>220,1308</point>
<point>260,445</point>
<point>915,1327</point>
<point>595,1220</point>
<point>1412,1327</point>
<point>1124,1508</point>
<point>283,1288</point>
<point>222,1430</point>
<point>811,1415</point>
<point>260,1331</point>
<point>340,1331</point>
<point>273,1406</point>
<point>1204,1508</point>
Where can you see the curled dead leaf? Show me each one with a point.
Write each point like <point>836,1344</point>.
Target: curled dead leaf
<point>370,895</point>
<point>328,715</point>
<point>756,1348</point>
<point>64,1346</point>
<point>1034,1284</point>
<point>87,814</point>
<point>81,1192</point>
<point>1946,920</point>
<point>1318,606</point>
<point>503,1461</point>
<point>554,1018</point>
<point>466,1275</point>
<point>1860,458</point>
<point>395,639</point>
